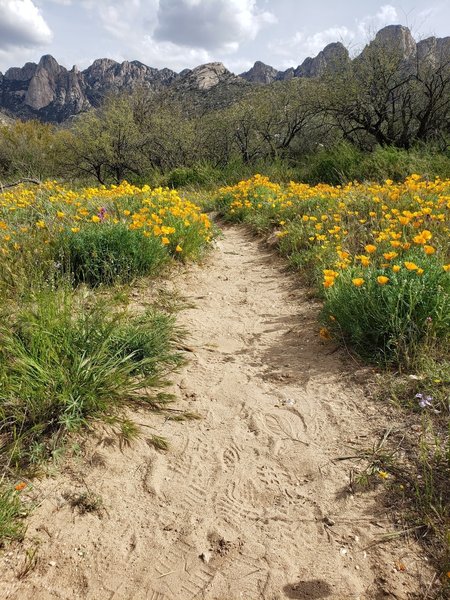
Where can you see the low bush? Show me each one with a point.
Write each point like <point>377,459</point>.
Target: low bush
<point>199,175</point>
<point>344,162</point>
<point>386,316</point>
<point>108,253</point>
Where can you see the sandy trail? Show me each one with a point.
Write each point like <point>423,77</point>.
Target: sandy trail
<point>249,503</point>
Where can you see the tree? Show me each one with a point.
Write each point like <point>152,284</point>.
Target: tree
<point>27,149</point>
<point>389,97</point>
<point>106,143</point>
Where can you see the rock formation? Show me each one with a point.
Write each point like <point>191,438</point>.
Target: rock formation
<point>48,91</point>
<point>260,73</point>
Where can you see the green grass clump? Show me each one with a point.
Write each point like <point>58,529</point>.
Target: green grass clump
<point>387,323</point>
<point>65,358</point>
<point>11,513</point>
<point>108,254</point>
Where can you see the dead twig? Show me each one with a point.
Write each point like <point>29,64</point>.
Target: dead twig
<point>23,180</point>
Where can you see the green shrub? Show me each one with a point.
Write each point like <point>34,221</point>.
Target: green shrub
<point>148,339</point>
<point>202,175</point>
<point>67,357</point>
<point>334,166</point>
<point>107,254</point>
<point>344,162</point>
<point>387,323</point>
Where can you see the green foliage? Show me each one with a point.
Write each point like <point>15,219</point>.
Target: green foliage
<point>28,149</point>
<point>198,175</point>
<point>387,323</point>
<point>148,338</point>
<point>334,166</point>
<point>67,357</point>
<point>107,145</point>
<point>111,253</point>
<point>345,162</point>
<point>11,512</point>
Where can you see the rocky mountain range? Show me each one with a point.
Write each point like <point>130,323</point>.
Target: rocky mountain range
<point>49,92</point>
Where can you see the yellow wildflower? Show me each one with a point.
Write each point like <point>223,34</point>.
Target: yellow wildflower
<point>382,279</point>
<point>410,266</point>
<point>358,281</point>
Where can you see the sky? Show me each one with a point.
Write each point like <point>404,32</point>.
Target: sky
<point>182,34</point>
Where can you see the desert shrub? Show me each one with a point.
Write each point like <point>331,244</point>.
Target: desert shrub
<point>108,253</point>
<point>344,162</point>
<point>199,175</point>
<point>385,315</point>
<point>334,166</point>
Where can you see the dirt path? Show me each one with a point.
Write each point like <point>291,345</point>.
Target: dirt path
<point>249,502</point>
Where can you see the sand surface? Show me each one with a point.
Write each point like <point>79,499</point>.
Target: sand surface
<point>250,502</point>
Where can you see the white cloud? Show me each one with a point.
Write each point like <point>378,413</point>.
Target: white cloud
<point>210,24</point>
<point>129,20</point>
<point>174,33</point>
<point>22,25</point>
<point>370,24</point>
<point>313,44</point>
<point>167,54</point>
<point>302,45</point>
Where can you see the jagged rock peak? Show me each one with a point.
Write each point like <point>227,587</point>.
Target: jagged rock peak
<point>43,86</point>
<point>105,71</point>
<point>21,73</point>
<point>50,64</point>
<point>207,76</point>
<point>434,50</point>
<point>395,37</point>
<point>333,58</point>
<point>260,73</point>
<point>101,65</point>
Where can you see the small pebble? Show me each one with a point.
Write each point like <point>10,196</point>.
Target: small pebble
<point>205,556</point>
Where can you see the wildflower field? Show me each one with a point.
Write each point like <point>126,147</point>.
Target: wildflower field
<point>99,235</point>
<point>72,347</point>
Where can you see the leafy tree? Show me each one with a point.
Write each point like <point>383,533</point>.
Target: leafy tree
<point>27,149</point>
<point>390,99</point>
<point>107,143</point>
